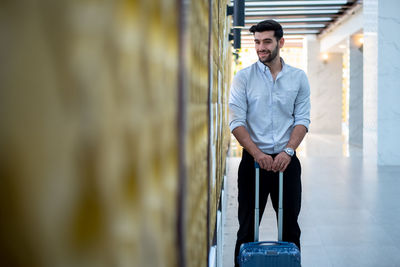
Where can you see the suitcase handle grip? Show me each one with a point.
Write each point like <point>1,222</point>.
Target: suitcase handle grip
<point>256,210</point>
<point>273,243</point>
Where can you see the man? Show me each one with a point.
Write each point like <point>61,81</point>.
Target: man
<point>269,116</point>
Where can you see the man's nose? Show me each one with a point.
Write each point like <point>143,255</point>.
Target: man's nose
<point>263,47</point>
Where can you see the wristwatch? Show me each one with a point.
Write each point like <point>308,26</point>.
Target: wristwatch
<point>289,151</point>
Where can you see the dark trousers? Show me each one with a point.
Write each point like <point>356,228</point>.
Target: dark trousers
<point>269,184</point>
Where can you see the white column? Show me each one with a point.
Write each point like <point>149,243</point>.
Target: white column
<point>356,91</point>
<point>370,78</point>
<point>325,79</point>
<point>388,82</point>
<point>381,76</point>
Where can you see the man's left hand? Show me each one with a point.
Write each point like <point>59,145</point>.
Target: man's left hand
<point>281,162</point>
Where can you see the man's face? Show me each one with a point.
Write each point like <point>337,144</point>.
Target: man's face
<point>267,47</point>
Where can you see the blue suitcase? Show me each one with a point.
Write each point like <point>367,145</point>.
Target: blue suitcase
<point>269,253</point>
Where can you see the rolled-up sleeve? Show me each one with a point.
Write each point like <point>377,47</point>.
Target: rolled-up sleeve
<point>238,102</point>
<point>302,104</point>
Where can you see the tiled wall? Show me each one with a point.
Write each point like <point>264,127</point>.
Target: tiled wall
<point>207,116</point>
<point>90,160</point>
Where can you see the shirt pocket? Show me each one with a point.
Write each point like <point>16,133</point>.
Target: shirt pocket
<point>286,98</point>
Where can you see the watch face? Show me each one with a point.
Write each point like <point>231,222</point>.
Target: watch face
<point>289,151</point>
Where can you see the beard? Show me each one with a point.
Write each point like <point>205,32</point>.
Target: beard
<point>272,55</point>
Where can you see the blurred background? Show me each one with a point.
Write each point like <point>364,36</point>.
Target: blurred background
<point>114,119</point>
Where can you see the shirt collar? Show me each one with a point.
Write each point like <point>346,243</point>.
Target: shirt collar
<point>264,68</point>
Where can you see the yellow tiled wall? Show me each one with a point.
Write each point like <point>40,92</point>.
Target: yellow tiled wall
<point>89,149</point>
<point>207,122</point>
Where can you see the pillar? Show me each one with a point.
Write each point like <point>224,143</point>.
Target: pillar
<point>326,89</point>
<point>381,71</point>
<point>356,91</point>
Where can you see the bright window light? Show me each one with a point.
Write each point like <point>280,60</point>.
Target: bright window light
<point>298,26</point>
<point>305,12</point>
<point>293,40</point>
<point>292,8</point>
<point>295,3</point>
<point>303,26</point>
<point>286,32</point>
<point>249,21</point>
<point>300,32</point>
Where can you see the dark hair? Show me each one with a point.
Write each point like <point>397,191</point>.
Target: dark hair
<point>268,25</point>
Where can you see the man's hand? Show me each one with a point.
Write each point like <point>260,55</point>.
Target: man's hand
<point>281,162</point>
<point>264,160</point>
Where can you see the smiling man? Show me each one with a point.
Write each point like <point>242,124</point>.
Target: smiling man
<point>269,115</point>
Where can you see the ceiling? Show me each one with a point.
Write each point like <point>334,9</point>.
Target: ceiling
<point>296,17</point>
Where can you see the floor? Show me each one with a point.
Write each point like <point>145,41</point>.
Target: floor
<point>350,213</point>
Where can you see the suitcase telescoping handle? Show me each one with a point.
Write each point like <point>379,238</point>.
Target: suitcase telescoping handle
<point>257,211</point>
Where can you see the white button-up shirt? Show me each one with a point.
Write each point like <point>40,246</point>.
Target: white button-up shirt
<point>269,109</point>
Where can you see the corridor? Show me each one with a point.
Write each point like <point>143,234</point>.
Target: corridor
<point>350,209</point>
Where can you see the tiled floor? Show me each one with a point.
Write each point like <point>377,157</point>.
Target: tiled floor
<point>350,208</point>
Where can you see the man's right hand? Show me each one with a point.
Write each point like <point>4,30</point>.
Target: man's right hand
<point>264,160</point>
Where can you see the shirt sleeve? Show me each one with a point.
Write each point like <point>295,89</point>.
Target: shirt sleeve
<point>302,104</point>
<point>238,102</point>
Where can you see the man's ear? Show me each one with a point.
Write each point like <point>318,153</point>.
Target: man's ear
<point>281,42</point>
